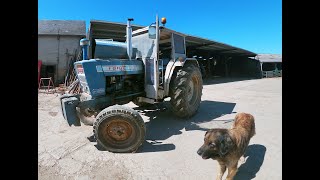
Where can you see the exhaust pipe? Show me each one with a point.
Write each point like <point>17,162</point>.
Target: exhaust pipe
<point>129,36</point>
<point>85,43</point>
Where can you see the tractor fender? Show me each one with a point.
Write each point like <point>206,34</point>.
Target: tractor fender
<point>172,65</point>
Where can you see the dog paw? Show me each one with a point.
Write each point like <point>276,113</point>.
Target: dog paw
<point>242,160</point>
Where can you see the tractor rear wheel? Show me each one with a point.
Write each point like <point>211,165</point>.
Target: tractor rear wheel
<point>186,91</point>
<point>119,129</point>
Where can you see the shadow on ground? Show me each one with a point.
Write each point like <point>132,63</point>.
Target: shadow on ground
<point>163,124</point>
<point>148,146</point>
<point>254,159</point>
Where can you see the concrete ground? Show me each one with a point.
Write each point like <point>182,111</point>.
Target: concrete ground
<point>169,151</point>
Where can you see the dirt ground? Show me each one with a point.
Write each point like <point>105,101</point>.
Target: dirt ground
<point>169,151</point>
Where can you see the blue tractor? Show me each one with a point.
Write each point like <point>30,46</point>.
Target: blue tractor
<point>149,67</point>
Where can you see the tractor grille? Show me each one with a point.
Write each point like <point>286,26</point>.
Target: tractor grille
<point>82,78</point>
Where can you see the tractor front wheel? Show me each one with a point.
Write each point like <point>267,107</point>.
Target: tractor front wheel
<point>119,129</point>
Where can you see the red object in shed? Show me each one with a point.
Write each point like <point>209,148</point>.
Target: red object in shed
<point>39,69</point>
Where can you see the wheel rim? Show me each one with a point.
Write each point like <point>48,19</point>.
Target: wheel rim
<point>192,91</point>
<point>117,130</point>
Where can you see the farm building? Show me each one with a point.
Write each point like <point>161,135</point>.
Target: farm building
<point>270,64</point>
<point>58,43</point>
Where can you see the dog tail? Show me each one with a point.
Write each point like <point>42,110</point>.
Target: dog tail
<point>245,120</point>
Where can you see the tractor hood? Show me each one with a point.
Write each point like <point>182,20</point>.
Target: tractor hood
<point>111,31</point>
<point>107,49</point>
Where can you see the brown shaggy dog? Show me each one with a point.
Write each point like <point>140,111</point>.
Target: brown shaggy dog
<point>228,145</point>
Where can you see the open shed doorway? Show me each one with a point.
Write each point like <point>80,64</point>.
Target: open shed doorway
<point>48,71</point>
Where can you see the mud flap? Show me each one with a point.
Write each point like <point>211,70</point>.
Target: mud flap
<point>68,107</point>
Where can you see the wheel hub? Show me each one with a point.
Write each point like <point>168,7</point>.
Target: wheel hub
<point>118,130</point>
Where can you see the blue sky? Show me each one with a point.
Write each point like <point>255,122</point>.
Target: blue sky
<point>255,25</point>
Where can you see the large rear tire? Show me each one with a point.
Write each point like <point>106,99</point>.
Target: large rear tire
<point>186,91</point>
<point>119,129</point>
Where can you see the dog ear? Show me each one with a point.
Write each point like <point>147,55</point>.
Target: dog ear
<point>206,133</point>
<point>225,144</point>
<point>210,130</point>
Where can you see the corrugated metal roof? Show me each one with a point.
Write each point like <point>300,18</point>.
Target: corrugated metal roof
<point>109,30</point>
<point>216,47</point>
<point>117,32</point>
<point>269,57</point>
<point>62,27</point>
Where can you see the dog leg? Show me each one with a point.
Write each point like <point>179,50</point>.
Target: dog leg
<point>242,160</point>
<point>222,169</point>
<point>232,170</point>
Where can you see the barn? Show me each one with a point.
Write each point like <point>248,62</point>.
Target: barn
<point>58,44</point>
